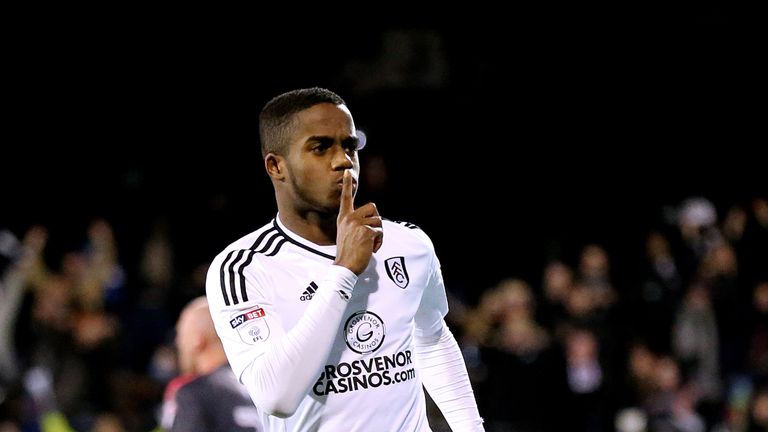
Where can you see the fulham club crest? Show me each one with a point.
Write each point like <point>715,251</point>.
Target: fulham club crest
<point>396,271</point>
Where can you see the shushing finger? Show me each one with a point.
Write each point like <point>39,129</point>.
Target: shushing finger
<point>347,194</point>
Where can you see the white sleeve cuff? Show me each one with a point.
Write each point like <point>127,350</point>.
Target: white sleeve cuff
<point>343,279</point>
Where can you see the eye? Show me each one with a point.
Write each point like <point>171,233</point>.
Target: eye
<point>320,146</point>
<point>350,145</point>
<point>355,143</point>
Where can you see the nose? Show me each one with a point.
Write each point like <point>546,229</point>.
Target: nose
<point>342,160</point>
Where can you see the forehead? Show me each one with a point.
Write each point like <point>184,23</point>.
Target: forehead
<point>324,119</point>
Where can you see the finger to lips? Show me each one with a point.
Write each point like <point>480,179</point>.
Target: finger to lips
<point>347,198</point>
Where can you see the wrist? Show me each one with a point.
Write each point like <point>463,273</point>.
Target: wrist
<point>343,279</point>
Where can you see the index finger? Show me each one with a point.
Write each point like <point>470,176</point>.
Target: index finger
<point>347,197</point>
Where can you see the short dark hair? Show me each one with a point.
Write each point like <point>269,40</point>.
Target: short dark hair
<point>275,119</point>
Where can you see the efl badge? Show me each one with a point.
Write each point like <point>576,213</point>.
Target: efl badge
<point>251,326</point>
<point>396,271</point>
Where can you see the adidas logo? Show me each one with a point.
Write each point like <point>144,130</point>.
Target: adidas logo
<point>309,292</point>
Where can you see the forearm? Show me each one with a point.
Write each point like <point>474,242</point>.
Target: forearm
<point>444,375</point>
<point>279,379</point>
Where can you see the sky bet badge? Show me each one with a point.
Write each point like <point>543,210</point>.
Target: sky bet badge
<point>251,326</point>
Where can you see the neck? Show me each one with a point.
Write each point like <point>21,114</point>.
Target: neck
<point>319,228</point>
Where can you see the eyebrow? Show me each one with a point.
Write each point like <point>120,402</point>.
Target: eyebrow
<point>351,140</point>
<point>327,140</point>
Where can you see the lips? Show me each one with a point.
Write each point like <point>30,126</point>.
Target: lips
<point>340,186</point>
<point>341,181</point>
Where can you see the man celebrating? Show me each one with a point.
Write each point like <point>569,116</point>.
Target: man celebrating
<point>328,325</point>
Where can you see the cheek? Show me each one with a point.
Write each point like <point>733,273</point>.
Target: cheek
<point>304,182</point>
<point>308,177</point>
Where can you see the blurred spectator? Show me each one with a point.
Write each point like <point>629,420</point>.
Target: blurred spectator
<point>149,322</point>
<point>214,400</point>
<point>594,274</point>
<point>758,325</point>
<point>670,406</point>
<point>526,375</point>
<point>697,224</point>
<point>586,382</point>
<point>758,412</point>
<point>25,268</point>
<point>695,342</point>
<point>731,303</point>
<point>557,284</point>
<point>653,310</point>
<point>753,247</point>
<point>642,364</point>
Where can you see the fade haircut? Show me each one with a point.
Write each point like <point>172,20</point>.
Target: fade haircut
<point>276,118</point>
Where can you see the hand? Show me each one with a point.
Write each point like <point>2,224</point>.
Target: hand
<point>358,232</point>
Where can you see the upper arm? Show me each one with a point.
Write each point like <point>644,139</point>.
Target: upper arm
<point>434,304</point>
<point>250,320</point>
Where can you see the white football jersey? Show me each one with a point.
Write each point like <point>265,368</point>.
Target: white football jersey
<point>260,285</point>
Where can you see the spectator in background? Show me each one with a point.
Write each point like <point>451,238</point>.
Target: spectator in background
<point>758,412</point>
<point>526,374</point>
<point>758,345</point>
<point>595,275</point>
<point>656,301</point>
<point>586,381</point>
<point>25,267</point>
<point>557,284</point>
<point>697,225</point>
<point>214,400</point>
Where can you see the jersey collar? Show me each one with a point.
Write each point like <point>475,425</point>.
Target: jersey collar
<point>328,251</point>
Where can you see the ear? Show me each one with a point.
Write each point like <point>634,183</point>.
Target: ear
<point>275,165</point>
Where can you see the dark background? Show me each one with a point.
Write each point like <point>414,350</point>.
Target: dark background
<point>509,136</point>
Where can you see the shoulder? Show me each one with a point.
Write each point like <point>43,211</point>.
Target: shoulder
<point>175,384</point>
<point>252,241</point>
<point>409,225</point>
<point>248,248</point>
<point>193,389</point>
<point>407,233</point>
<point>241,264</point>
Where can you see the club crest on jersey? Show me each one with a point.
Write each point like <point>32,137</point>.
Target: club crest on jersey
<point>397,272</point>
<point>251,326</point>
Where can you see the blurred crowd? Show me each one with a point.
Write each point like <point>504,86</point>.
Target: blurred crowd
<point>684,348</point>
<point>87,346</point>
